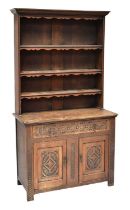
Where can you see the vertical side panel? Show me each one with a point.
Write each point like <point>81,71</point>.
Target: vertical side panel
<point>21,153</point>
<point>17,63</point>
<point>30,158</point>
<point>111,154</point>
<point>72,162</point>
<point>100,62</point>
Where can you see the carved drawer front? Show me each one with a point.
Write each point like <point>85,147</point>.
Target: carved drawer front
<point>49,165</point>
<point>93,158</point>
<point>66,128</point>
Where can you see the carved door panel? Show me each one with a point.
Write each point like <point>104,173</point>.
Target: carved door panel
<point>72,161</point>
<point>93,158</point>
<point>49,165</point>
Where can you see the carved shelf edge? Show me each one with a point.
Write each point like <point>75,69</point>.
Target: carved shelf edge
<point>59,47</point>
<point>60,73</point>
<point>63,18</point>
<point>50,94</point>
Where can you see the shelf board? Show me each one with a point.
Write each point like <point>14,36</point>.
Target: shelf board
<point>60,47</point>
<point>60,72</point>
<point>60,93</point>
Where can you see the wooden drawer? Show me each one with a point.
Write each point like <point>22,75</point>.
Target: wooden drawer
<point>68,128</point>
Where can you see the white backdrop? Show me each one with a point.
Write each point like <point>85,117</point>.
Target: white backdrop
<point>117,88</point>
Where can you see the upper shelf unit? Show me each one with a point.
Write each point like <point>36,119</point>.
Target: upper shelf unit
<point>59,59</point>
<point>60,31</point>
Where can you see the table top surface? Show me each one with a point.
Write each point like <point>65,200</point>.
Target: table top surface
<point>64,115</point>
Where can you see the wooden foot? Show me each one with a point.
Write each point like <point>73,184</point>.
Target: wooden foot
<point>18,182</point>
<point>111,182</point>
<point>30,197</point>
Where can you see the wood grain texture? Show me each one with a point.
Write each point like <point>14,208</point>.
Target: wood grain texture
<point>17,64</point>
<point>62,93</point>
<point>72,161</point>
<point>70,186</point>
<point>100,62</point>
<point>93,158</point>
<point>64,115</point>
<point>69,128</point>
<point>49,164</point>
<point>111,154</point>
<point>60,72</point>
<point>55,13</point>
<point>64,137</point>
<point>21,154</point>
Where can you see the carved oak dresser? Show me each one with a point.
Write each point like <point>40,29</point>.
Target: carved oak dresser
<point>64,136</point>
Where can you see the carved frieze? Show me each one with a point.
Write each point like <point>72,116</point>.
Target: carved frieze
<point>66,128</point>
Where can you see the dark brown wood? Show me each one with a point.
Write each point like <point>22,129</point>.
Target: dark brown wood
<point>63,60</point>
<point>17,63</point>
<point>93,158</point>
<point>60,73</point>
<point>100,62</point>
<point>64,136</point>
<point>111,154</point>
<point>57,13</point>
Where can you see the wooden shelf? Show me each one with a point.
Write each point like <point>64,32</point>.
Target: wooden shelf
<point>60,47</point>
<point>60,72</point>
<point>61,93</point>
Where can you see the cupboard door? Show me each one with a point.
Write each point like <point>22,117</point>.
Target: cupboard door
<point>49,165</point>
<point>93,158</point>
